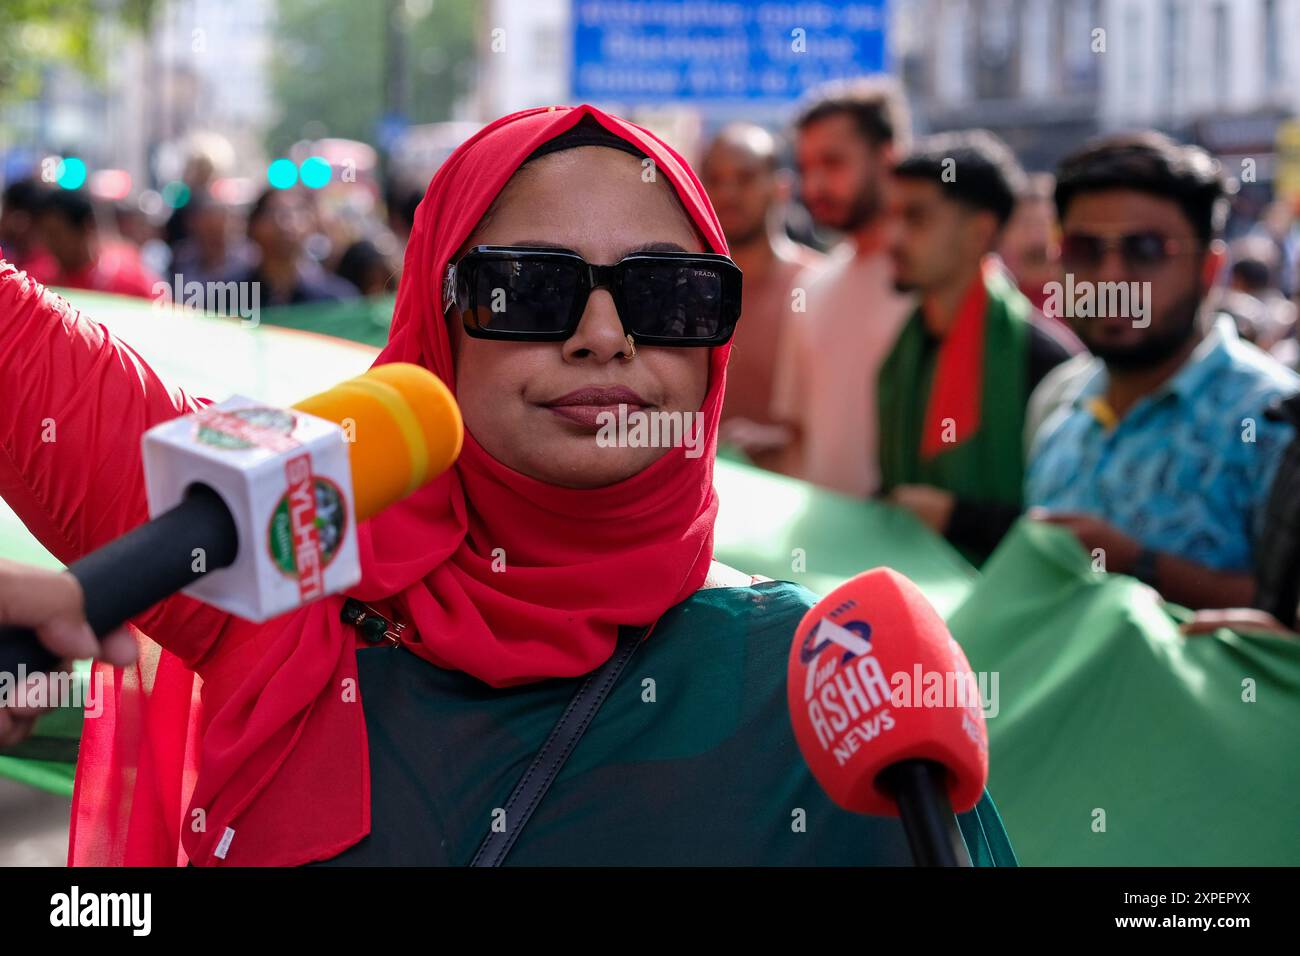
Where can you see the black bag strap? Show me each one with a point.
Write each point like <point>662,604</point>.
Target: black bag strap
<point>545,767</point>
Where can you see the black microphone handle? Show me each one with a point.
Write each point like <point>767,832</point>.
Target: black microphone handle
<point>931,826</point>
<point>134,572</point>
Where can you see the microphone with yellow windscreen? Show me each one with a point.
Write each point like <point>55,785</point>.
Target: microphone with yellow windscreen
<point>255,509</point>
<point>404,427</point>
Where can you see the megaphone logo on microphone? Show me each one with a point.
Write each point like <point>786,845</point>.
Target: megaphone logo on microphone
<point>873,680</point>
<point>853,637</point>
<point>845,688</point>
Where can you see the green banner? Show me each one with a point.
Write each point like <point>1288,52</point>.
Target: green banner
<point>358,320</point>
<point>48,758</point>
<point>785,529</point>
<point>1117,740</point>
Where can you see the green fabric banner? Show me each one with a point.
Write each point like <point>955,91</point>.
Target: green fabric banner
<point>48,758</point>
<point>358,320</point>
<point>1117,740</point>
<point>789,530</point>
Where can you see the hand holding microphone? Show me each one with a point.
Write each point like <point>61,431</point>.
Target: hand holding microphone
<point>255,509</point>
<point>50,602</point>
<point>867,664</point>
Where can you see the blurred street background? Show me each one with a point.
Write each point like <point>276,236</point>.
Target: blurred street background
<point>161,110</point>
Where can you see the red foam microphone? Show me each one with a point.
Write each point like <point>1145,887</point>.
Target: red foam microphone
<point>887,711</point>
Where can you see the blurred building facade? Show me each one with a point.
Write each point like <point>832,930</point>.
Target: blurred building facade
<point>1046,74</point>
<point>201,66</point>
<point>523,55</point>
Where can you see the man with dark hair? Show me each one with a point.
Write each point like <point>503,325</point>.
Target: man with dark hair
<point>1158,456</point>
<point>953,390</point>
<point>19,242</point>
<point>990,177</point>
<point>845,318</point>
<point>874,105</point>
<point>85,261</point>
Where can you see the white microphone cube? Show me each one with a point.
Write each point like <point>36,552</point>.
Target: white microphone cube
<point>286,478</point>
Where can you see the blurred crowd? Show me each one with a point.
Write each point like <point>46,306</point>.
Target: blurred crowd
<point>298,244</point>
<point>971,341</point>
<point>924,321</point>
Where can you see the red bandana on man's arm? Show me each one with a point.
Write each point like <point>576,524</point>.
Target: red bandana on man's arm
<point>282,769</point>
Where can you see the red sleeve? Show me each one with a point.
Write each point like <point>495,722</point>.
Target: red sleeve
<point>74,402</point>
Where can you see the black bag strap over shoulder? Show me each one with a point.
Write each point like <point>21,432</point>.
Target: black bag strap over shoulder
<point>546,766</point>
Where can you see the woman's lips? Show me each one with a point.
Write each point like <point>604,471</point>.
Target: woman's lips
<point>587,406</point>
<point>590,416</point>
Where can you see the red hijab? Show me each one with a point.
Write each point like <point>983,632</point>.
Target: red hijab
<point>276,751</point>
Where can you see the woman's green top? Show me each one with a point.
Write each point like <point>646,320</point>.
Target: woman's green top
<point>690,761</point>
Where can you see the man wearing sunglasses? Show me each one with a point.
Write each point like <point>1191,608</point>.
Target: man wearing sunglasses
<point>1160,456</point>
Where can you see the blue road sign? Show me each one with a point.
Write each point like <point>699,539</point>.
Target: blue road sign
<point>702,51</point>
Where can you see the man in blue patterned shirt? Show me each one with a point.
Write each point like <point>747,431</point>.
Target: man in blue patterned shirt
<point>1158,454</point>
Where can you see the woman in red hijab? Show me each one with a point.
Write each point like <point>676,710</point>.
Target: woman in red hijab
<point>394,724</point>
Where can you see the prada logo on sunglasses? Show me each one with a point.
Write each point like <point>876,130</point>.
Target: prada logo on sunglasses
<point>526,293</point>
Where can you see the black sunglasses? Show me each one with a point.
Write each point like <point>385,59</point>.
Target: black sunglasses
<point>1141,250</point>
<point>535,294</point>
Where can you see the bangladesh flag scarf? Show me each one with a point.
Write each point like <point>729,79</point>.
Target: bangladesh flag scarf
<point>953,416</point>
